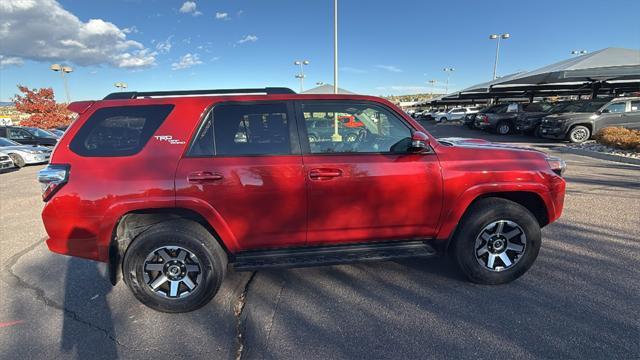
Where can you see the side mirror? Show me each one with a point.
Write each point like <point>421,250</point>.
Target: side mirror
<point>419,142</point>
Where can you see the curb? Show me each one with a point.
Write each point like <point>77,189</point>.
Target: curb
<point>598,155</point>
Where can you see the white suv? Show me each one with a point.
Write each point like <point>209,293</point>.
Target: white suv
<point>455,114</point>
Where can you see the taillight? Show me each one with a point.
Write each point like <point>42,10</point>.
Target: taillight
<point>52,178</point>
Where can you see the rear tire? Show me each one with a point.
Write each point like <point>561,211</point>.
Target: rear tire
<point>184,253</point>
<point>18,161</point>
<point>476,241</point>
<point>579,134</point>
<point>443,119</point>
<point>504,128</point>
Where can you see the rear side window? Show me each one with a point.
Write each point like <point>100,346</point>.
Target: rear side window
<point>244,129</point>
<point>119,131</point>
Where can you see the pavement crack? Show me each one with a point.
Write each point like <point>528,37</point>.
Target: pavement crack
<point>237,310</point>
<point>273,314</point>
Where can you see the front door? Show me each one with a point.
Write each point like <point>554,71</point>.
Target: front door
<point>367,188</point>
<point>245,171</point>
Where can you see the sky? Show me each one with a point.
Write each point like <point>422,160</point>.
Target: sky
<point>385,47</point>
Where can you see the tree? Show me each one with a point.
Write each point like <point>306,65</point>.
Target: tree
<point>45,112</point>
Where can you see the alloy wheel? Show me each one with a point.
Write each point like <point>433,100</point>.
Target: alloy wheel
<point>172,272</point>
<point>504,129</point>
<point>579,135</point>
<point>500,245</point>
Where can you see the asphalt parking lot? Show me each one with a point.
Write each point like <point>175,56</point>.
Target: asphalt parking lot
<point>580,299</point>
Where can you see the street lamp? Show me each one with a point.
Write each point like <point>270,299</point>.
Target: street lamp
<point>121,85</point>
<point>433,85</point>
<point>320,83</point>
<point>63,69</point>
<point>448,70</point>
<point>578,52</point>
<point>504,36</point>
<point>301,76</point>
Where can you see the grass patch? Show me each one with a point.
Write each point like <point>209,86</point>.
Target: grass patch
<point>619,138</point>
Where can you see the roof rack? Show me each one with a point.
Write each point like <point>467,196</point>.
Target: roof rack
<point>142,94</point>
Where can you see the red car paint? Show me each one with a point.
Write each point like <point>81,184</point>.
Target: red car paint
<point>290,200</point>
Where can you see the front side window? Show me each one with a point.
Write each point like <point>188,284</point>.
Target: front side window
<point>618,107</point>
<point>19,134</point>
<point>244,129</point>
<point>119,131</point>
<point>381,131</point>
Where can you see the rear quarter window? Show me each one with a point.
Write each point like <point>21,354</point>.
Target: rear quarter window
<point>119,131</point>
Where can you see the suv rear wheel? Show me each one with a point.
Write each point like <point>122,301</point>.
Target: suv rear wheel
<point>503,128</point>
<point>579,134</point>
<point>174,266</point>
<point>497,241</point>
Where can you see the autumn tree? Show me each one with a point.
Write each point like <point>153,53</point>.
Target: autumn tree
<point>45,112</point>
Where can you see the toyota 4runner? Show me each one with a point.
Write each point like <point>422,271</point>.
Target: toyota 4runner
<point>172,188</point>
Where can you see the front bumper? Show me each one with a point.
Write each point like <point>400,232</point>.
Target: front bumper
<point>525,126</point>
<point>6,164</point>
<point>553,131</point>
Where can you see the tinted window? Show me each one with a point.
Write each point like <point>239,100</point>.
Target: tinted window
<point>119,131</point>
<point>244,129</point>
<point>381,131</point>
<point>592,106</point>
<point>19,134</point>
<point>635,105</point>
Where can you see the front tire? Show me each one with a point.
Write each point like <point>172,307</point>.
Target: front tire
<point>503,128</point>
<point>579,134</point>
<point>174,266</point>
<point>497,241</point>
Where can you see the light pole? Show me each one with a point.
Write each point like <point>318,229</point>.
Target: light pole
<point>63,70</point>
<point>121,85</point>
<point>300,76</point>
<point>320,83</point>
<point>578,52</point>
<point>448,70</point>
<point>335,50</point>
<point>433,86</point>
<point>497,37</point>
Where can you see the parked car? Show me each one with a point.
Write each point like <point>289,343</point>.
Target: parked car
<point>323,129</point>
<point>431,114</point>
<point>580,126</point>
<point>5,162</point>
<point>455,114</point>
<point>469,119</point>
<point>502,120</point>
<point>529,122</point>
<point>161,191</point>
<point>56,132</point>
<point>24,154</point>
<point>28,136</point>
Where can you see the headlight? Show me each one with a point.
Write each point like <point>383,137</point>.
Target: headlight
<point>29,151</point>
<point>557,165</point>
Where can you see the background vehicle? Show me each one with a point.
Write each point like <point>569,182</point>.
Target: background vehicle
<point>28,136</point>
<point>24,154</point>
<point>5,162</point>
<point>502,120</point>
<point>56,132</point>
<point>529,122</point>
<point>469,120</point>
<point>322,129</point>
<point>177,194</point>
<point>455,114</point>
<point>593,116</point>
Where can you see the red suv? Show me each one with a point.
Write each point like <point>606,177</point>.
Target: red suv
<point>171,188</point>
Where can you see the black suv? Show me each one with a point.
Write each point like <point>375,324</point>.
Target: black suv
<point>28,136</point>
<point>529,122</point>
<point>580,126</point>
<point>503,120</point>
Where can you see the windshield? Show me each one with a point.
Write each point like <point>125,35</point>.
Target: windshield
<point>7,142</point>
<point>592,106</point>
<point>41,133</point>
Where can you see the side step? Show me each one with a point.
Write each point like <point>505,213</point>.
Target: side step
<point>330,255</point>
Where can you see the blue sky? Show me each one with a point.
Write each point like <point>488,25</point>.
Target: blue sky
<point>385,47</point>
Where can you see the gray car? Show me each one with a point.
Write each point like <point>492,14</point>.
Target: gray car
<point>24,154</point>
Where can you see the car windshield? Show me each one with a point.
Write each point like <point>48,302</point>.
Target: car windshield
<point>41,133</point>
<point>559,107</point>
<point>592,106</point>
<point>496,109</point>
<point>7,142</point>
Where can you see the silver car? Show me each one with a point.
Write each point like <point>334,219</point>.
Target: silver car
<point>24,154</point>
<point>5,162</point>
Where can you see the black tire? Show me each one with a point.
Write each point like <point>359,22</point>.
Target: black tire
<point>504,128</point>
<point>17,160</point>
<point>579,134</point>
<point>481,214</point>
<point>536,132</point>
<point>187,235</point>
<point>443,119</point>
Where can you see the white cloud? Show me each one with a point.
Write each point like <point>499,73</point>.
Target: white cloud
<point>353,70</point>
<point>248,38</point>
<point>222,16</point>
<point>8,61</point>
<point>389,68</point>
<point>164,47</point>
<point>130,30</point>
<point>186,61</point>
<point>190,7</point>
<point>42,30</point>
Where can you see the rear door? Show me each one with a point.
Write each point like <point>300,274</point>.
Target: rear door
<point>245,167</point>
<point>631,118</point>
<point>368,188</point>
<point>611,115</point>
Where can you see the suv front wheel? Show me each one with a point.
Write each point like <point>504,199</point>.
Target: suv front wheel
<point>174,266</point>
<point>579,134</point>
<point>497,241</point>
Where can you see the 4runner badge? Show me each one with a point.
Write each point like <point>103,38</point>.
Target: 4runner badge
<point>169,139</point>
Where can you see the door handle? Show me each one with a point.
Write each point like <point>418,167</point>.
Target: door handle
<point>199,177</point>
<point>324,174</point>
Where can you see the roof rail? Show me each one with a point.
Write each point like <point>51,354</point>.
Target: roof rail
<point>141,94</point>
